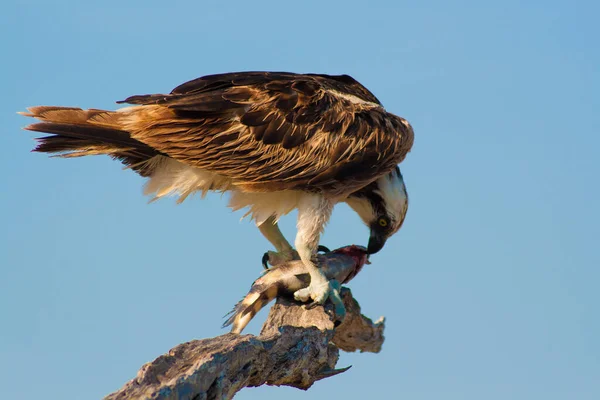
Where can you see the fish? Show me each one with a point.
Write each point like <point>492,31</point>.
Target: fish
<point>283,280</point>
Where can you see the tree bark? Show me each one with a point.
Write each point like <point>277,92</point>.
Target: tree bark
<point>296,347</point>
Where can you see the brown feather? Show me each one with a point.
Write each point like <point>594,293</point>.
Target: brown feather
<point>252,127</point>
<point>317,124</point>
<point>78,132</point>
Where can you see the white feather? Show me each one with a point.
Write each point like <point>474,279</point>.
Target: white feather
<point>263,205</point>
<point>392,190</point>
<point>173,178</point>
<point>314,212</point>
<point>170,177</point>
<point>353,99</point>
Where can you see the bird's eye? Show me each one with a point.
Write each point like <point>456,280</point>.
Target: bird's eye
<point>383,222</point>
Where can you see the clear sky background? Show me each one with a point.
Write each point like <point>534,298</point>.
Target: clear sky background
<point>491,287</point>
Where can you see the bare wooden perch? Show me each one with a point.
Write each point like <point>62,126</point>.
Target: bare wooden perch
<point>296,347</point>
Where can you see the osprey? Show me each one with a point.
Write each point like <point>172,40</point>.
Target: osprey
<point>276,141</point>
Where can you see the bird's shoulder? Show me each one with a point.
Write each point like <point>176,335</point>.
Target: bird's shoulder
<point>281,129</point>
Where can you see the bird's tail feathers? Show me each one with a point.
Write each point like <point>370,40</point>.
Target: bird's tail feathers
<point>76,132</point>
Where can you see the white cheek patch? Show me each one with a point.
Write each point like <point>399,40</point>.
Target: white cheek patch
<point>392,190</point>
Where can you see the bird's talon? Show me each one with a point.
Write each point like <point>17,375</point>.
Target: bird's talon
<point>273,258</point>
<point>265,260</point>
<point>323,249</point>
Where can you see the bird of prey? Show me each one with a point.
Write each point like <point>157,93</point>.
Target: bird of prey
<point>276,141</point>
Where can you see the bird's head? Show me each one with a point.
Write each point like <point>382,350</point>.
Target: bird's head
<point>382,206</point>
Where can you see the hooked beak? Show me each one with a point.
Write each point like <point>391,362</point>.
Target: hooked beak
<point>376,242</point>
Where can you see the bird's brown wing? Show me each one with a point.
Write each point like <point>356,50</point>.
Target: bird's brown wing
<point>274,131</point>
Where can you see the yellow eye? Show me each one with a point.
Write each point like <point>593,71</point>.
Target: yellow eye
<point>383,222</point>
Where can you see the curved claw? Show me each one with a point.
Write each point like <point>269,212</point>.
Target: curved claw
<point>265,261</point>
<point>323,249</point>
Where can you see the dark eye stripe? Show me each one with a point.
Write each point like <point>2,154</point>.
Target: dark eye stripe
<point>376,226</point>
<point>376,202</point>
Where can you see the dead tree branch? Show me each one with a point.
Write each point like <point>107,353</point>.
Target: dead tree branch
<point>296,347</point>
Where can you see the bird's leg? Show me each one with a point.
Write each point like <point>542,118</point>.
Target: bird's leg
<point>313,215</point>
<point>271,232</point>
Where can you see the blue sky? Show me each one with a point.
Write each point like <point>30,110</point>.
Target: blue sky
<point>490,289</point>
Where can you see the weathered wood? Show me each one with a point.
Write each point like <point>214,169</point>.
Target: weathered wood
<point>297,347</point>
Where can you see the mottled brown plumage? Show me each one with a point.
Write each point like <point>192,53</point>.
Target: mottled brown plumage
<point>266,131</point>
